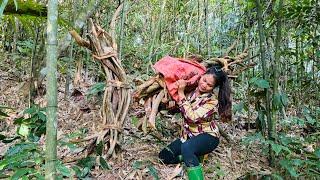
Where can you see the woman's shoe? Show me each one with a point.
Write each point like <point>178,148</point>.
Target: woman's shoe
<point>195,173</point>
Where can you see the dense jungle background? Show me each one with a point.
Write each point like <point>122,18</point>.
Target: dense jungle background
<point>56,85</point>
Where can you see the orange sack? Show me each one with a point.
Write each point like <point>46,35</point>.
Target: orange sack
<point>174,69</point>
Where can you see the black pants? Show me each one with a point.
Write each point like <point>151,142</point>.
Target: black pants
<point>190,150</point>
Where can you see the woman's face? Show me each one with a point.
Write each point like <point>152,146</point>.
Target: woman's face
<point>206,83</point>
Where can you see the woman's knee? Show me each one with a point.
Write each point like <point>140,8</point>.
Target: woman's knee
<point>167,156</point>
<point>186,148</point>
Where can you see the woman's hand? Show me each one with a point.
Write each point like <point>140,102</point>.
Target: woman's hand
<point>181,86</point>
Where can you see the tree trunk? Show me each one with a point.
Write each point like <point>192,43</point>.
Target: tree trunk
<point>33,69</point>
<point>276,64</point>
<point>206,27</point>
<point>275,80</point>
<point>264,71</point>
<point>51,126</point>
<point>122,30</point>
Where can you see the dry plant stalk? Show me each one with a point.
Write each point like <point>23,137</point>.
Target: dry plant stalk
<point>116,99</point>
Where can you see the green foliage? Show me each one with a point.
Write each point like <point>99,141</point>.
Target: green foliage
<point>25,158</point>
<point>21,158</point>
<point>96,89</point>
<point>298,156</point>
<point>28,7</point>
<point>34,126</point>
<point>146,164</point>
<point>260,83</point>
<point>83,166</point>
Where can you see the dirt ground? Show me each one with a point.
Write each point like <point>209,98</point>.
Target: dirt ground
<point>137,157</point>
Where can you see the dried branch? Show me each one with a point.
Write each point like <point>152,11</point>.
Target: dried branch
<point>79,40</point>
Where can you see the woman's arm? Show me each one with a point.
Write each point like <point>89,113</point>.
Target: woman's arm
<point>205,109</point>
<point>195,113</point>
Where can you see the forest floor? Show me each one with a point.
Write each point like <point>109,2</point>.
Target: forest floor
<point>137,158</point>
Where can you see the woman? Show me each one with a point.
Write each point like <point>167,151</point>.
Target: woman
<point>200,110</point>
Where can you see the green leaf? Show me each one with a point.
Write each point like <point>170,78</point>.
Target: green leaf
<point>30,110</point>
<point>63,170</point>
<point>2,7</point>
<point>23,130</point>
<point>95,89</point>
<point>134,120</point>
<point>310,120</point>
<point>20,172</point>
<point>88,162</point>
<point>317,153</point>
<point>103,163</point>
<point>137,165</point>
<point>276,177</point>
<point>3,164</point>
<point>18,120</point>
<point>42,116</point>
<point>99,148</point>
<point>286,165</point>
<point>85,172</point>
<point>10,140</point>
<point>318,53</point>
<point>39,176</point>
<point>297,162</point>
<point>276,100</point>
<point>262,83</point>
<point>16,4</point>
<point>20,148</point>
<point>153,171</point>
<point>276,148</point>
<point>77,171</point>
<point>238,107</point>
<point>284,99</point>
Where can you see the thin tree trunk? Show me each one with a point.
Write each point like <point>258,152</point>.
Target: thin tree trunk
<point>15,34</point>
<point>296,88</point>
<point>122,30</point>
<point>276,64</point>
<point>206,27</point>
<point>51,126</point>
<point>33,69</point>
<point>156,34</point>
<point>264,71</point>
<point>198,34</point>
<point>68,76</point>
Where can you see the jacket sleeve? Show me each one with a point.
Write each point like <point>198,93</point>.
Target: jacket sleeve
<point>194,113</point>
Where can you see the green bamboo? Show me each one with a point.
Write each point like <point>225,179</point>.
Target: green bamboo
<point>206,27</point>
<point>32,68</point>
<point>276,64</point>
<point>51,126</point>
<point>156,34</point>
<point>264,72</point>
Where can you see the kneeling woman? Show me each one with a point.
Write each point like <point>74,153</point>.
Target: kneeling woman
<point>200,109</point>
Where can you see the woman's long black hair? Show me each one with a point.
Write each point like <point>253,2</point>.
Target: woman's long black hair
<point>224,100</point>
